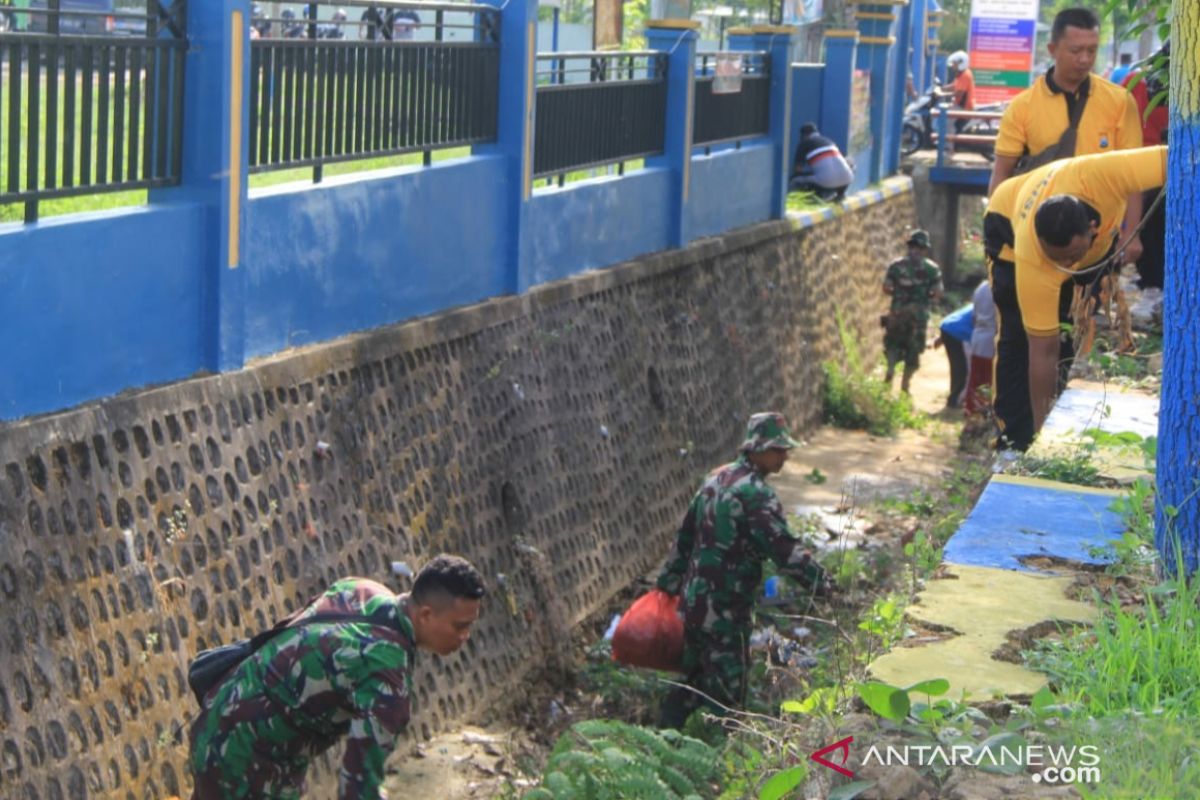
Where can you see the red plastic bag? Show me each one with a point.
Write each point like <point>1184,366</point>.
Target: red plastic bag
<point>651,633</point>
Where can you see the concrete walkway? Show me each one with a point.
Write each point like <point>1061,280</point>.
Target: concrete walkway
<point>999,584</point>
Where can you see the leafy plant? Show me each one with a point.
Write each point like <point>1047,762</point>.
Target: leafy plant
<point>609,760</point>
<point>637,694</point>
<point>859,401</point>
<point>1076,468</point>
<point>885,621</point>
<point>845,565</point>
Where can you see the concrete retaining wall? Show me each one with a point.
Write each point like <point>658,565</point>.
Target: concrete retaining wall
<point>576,419</point>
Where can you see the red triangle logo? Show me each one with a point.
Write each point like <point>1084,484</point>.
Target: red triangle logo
<point>844,748</point>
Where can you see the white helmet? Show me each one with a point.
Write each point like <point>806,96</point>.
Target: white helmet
<point>958,59</point>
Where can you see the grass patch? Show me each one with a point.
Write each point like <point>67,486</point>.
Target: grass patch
<point>275,177</point>
<point>1142,757</point>
<point>799,202</point>
<point>607,171</point>
<point>855,399</point>
<point>1143,660</point>
<point>1076,468</point>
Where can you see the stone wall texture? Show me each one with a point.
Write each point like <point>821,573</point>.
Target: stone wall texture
<point>553,438</point>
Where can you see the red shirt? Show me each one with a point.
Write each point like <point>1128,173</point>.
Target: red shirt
<point>1154,126</point>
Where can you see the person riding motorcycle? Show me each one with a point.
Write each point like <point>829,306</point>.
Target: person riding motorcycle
<point>962,88</point>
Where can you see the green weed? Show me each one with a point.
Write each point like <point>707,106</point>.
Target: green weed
<point>885,621</point>
<point>1146,662</point>
<point>857,400</point>
<point>1076,469</point>
<point>608,760</point>
<point>1141,756</point>
<point>799,202</point>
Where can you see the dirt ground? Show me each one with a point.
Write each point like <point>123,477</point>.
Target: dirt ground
<point>484,761</point>
<point>859,467</point>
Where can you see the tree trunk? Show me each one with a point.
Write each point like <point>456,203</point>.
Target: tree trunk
<point>1179,415</point>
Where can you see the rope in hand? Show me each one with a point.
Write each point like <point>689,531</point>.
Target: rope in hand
<point>1084,305</point>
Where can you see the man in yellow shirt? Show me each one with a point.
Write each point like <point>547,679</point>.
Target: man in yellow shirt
<point>1038,117</point>
<point>1042,231</point>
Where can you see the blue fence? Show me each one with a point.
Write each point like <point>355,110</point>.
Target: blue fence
<point>210,274</point>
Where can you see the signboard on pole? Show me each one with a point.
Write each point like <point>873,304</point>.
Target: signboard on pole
<point>727,78</point>
<point>1002,39</point>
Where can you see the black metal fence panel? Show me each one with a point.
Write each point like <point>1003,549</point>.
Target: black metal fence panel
<point>598,108</point>
<point>731,107</point>
<point>87,114</point>
<point>330,89</point>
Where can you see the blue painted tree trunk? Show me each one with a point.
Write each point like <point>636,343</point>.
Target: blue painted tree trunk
<point>1179,417</point>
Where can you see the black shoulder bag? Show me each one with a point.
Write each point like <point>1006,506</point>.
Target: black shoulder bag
<point>1063,148</point>
<point>211,666</point>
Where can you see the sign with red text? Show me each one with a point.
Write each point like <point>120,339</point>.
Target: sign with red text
<point>1001,45</point>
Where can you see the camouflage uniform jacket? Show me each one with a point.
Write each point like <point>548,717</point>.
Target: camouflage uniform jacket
<point>305,690</point>
<point>733,523</point>
<point>912,282</point>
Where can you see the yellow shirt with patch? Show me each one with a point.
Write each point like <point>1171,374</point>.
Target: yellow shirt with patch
<point>1037,118</point>
<point>1103,181</point>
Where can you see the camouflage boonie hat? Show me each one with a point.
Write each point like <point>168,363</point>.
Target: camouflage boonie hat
<point>920,238</point>
<point>767,431</point>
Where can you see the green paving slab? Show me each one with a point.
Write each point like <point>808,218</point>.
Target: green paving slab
<point>981,605</point>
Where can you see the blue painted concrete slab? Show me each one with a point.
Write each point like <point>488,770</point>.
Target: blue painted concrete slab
<point>1017,517</point>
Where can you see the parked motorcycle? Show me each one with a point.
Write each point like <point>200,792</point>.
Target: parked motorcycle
<point>919,129</point>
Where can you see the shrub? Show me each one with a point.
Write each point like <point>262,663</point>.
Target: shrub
<point>854,399</point>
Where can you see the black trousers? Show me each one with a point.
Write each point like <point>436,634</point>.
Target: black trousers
<point>956,354</point>
<point>1011,401</point>
<point>1154,243</point>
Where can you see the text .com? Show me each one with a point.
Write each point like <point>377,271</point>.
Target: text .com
<point>1046,763</point>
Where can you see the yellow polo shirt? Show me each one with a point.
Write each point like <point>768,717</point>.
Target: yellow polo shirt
<point>1037,117</point>
<point>1103,181</point>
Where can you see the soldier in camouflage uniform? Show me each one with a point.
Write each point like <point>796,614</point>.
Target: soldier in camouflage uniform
<point>913,282</point>
<point>308,687</point>
<point>733,523</point>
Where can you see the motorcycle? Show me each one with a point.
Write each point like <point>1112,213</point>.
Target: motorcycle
<point>918,131</point>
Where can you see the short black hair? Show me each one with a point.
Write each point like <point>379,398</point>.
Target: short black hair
<point>1061,218</point>
<point>1126,58</point>
<point>447,577</point>
<point>1083,18</point>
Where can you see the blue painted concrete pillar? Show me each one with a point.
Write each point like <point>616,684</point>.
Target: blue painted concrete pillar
<point>876,27</point>
<point>740,40</point>
<point>778,41</point>
<point>215,163</point>
<point>677,38</point>
<point>514,130</point>
<point>841,53</point>
<point>933,39</point>
<point>917,44</point>
<point>807,82</point>
<point>901,52</point>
